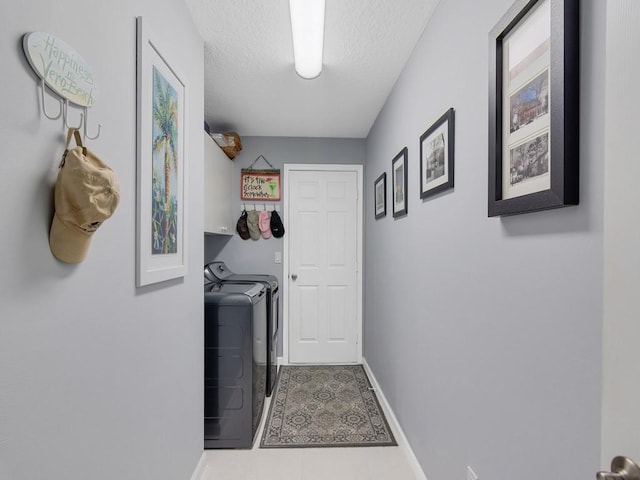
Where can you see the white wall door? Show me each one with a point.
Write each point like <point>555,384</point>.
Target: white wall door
<point>324,256</point>
<point>621,331</point>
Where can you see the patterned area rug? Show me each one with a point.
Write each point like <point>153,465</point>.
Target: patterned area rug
<point>325,406</point>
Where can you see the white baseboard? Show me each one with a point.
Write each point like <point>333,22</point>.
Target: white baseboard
<point>395,426</point>
<point>198,473</point>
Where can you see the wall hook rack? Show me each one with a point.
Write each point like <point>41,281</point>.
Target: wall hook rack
<point>63,71</point>
<point>274,207</point>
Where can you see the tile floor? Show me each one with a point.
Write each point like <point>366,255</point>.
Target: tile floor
<point>370,463</point>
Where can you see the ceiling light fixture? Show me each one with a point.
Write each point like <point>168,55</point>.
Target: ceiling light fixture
<point>307,26</point>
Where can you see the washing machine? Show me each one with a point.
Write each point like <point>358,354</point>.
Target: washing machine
<point>235,358</point>
<point>219,272</point>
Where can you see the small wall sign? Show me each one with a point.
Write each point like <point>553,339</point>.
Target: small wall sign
<point>260,185</point>
<point>61,68</point>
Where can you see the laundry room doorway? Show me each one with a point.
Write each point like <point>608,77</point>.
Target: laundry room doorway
<point>322,287</point>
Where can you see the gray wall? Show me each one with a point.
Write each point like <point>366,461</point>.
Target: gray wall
<point>257,256</point>
<point>485,333</point>
<point>98,379</point>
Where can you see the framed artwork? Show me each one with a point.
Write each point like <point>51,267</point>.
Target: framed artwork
<point>380,195</point>
<point>436,156</point>
<point>534,108</point>
<point>260,185</point>
<point>399,183</point>
<point>161,164</point>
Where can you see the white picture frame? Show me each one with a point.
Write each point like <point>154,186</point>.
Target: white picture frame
<point>161,164</point>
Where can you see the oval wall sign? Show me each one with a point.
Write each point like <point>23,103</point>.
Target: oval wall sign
<point>61,67</point>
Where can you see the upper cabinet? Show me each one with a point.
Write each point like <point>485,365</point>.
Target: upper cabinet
<point>218,177</point>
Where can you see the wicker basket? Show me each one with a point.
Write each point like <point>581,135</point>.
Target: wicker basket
<point>229,142</point>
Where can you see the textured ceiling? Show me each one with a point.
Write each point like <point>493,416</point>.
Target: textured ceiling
<point>251,86</point>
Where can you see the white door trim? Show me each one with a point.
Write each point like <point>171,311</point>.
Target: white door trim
<point>289,167</point>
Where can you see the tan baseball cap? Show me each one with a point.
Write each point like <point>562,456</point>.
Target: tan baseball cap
<point>252,223</point>
<point>87,193</point>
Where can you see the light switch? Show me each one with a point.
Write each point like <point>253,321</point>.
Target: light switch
<point>278,257</point>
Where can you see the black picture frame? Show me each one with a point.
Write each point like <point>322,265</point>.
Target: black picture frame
<point>380,196</point>
<point>542,140</point>
<point>437,145</point>
<point>400,183</point>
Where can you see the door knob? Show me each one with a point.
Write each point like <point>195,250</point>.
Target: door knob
<point>622,468</point>
<point>294,277</point>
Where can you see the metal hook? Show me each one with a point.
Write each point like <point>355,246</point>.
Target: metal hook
<point>86,120</point>
<point>66,110</point>
<point>44,105</point>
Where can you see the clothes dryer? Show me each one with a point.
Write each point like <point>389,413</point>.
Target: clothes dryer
<point>219,272</point>
<point>235,355</point>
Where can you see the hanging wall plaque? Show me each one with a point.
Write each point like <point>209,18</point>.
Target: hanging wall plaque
<point>260,185</point>
<point>60,67</point>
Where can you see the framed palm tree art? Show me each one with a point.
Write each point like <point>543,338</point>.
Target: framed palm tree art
<point>161,164</point>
